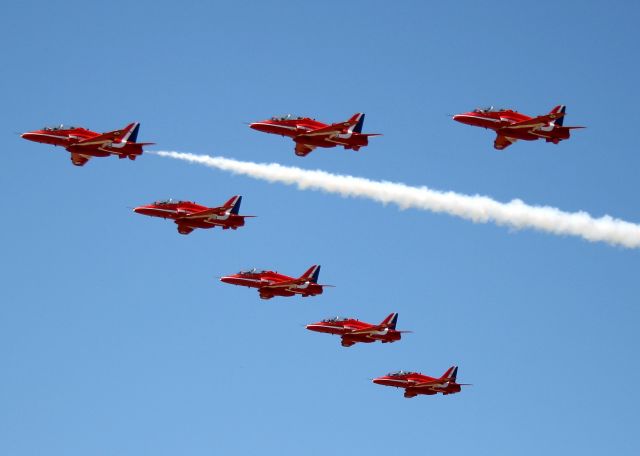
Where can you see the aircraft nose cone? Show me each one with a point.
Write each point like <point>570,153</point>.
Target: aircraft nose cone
<point>259,126</point>
<point>464,118</point>
<point>144,210</point>
<point>28,136</point>
<point>225,279</point>
<point>377,381</point>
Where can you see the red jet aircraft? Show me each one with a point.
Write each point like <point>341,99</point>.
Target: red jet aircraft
<point>188,215</point>
<point>415,383</point>
<point>511,125</point>
<point>270,283</point>
<point>85,144</point>
<point>353,331</point>
<point>309,133</point>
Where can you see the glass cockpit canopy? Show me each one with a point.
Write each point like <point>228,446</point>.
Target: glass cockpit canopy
<point>252,271</point>
<point>399,373</point>
<point>283,117</point>
<point>167,201</point>
<point>59,127</point>
<point>287,117</point>
<point>488,109</point>
<point>334,319</point>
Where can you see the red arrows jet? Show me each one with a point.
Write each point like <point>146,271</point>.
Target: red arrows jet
<point>353,331</point>
<point>188,215</point>
<point>85,144</point>
<point>415,383</point>
<point>511,125</point>
<point>309,133</point>
<point>270,283</point>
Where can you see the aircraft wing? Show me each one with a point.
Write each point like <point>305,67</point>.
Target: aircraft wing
<point>364,331</point>
<point>303,149</point>
<point>288,283</point>
<point>502,141</point>
<point>329,130</point>
<point>539,121</point>
<point>204,214</point>
<point>98,140</point>
<point>429,384</point>
<point>78,159</point>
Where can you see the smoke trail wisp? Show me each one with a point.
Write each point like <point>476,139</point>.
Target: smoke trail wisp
<point>477,208</point>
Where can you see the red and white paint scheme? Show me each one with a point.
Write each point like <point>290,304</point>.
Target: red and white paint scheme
<point>189,215</point>
<point>308,133</point>
<point>511,126</point>
<point>270,283</point>
<point>353,331</point>
<point>415,383</point>
<point>85,144</point>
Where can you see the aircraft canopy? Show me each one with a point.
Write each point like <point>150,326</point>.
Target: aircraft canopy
<point>252,271</point>
<point>287,117</point>
<point>399,373</point>
<point>167,201</point>
<point>58,127</point>
<point>488,109</point>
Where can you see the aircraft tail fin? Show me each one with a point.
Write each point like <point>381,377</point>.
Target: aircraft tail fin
<point>133,137</point>
<point>451,374</point>
<point>233,205</point>
<point>560,109</point>
<point>357,121</point>
<point>390,321</point>
<point>312,274</point>
<point>130,132</point>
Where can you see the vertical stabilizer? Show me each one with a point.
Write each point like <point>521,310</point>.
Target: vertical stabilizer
<point>451,374</point>
<point>559,109</point>
<point>233,204</point>
<point>390,321</point>
<point>312,274</point>
<point>357,121</point>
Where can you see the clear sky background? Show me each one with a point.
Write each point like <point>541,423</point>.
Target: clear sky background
<point>116,338</point>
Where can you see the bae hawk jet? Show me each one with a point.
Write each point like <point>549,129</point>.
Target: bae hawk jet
<point>270,283</point>
<point>308,133</point>
<point>189,215</point>
<point>415,383</point>
<point>85,144</point>
<point>353,331</point>
<point>511,126</point>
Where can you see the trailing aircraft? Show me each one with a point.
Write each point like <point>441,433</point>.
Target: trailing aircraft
<point>415,383</point>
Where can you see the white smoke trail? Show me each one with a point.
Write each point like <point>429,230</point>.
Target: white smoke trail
<point>479,209</point>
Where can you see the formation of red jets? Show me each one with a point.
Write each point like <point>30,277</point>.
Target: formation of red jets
<point>307,134</point>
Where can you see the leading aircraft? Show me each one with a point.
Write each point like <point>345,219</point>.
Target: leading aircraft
<point>270,283</point>
<point>415,383</point>
<point>308,133</point>
<point>353,331</point>
<point>189,215</point>
<point>511,126</point>
<point>85,144</point>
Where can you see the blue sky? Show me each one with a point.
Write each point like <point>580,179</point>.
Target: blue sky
<point>116,337</point>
